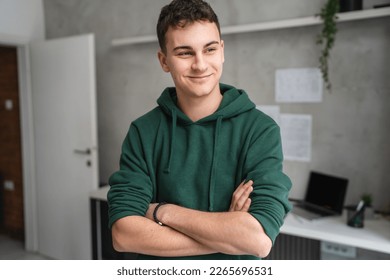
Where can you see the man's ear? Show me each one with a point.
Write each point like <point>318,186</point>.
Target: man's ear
<point>163,61</point>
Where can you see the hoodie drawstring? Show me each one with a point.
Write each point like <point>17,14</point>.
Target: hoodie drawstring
<point>214,159</point>
<point>214,163</point>
<point>172,145</point>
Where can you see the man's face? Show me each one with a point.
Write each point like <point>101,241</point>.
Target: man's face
<point>194,57</point>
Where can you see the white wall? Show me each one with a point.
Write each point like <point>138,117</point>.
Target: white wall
<point>22,19</point>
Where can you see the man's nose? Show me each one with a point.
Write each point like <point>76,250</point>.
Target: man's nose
<point>200,63</point>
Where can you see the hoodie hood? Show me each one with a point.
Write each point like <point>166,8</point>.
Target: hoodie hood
<point>234,102</point>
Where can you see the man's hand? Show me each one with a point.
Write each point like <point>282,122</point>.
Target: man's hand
<point>240,198</point>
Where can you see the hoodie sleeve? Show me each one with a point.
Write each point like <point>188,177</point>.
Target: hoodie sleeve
<point>130,188</point>
<point>264,165</point>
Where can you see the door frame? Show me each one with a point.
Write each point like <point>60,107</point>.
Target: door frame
<point>27,139</point>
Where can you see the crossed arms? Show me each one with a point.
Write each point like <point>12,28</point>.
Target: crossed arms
<point>190,232</point>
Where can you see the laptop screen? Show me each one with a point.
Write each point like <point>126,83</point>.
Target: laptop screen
<point>326,191</point>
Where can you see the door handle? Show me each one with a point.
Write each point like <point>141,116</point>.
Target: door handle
<point>82,152</point>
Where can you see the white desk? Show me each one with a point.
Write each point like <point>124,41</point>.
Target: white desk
<point>100,194</point>
<point>375,235</point>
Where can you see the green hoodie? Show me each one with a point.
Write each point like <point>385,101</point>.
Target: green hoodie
<point>167,157</point>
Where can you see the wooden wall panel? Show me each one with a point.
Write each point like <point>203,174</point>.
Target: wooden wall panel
<point>10,145</point>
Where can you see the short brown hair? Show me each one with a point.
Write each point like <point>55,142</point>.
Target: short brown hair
<point>181,12</point>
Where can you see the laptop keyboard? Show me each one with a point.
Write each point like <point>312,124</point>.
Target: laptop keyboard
<point>317,210</point>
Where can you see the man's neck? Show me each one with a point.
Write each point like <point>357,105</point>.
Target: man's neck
<point>199,108</point>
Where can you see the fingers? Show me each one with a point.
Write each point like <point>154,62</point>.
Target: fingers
<point>240,199</point>
<point>246,205</point>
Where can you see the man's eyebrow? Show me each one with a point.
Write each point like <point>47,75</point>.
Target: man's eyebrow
<point>211,43</point>
<point>190,48</point>
<point>182,48</point>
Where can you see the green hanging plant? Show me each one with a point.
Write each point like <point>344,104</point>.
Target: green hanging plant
<point>326,38</point>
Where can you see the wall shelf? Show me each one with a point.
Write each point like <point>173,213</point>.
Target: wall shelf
<point>270,25</point>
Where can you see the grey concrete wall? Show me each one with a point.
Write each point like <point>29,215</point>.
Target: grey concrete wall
<point>350,127</point>
<point>21,20</point>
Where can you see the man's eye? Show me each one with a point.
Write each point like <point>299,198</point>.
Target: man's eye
<point>184,54</point>
<point>210,50</point>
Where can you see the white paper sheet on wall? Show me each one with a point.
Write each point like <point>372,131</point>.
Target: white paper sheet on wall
<point>298,85</point>
<point>296,136</point>
<point>270,110</point>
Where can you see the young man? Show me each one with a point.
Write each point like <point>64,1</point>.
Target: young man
<point>200,175</point>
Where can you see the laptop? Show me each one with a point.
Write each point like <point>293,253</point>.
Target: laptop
<point>324,197</point>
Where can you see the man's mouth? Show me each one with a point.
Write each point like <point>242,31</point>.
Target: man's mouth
<point>200,77</point>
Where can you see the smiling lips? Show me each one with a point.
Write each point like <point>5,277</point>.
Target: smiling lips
<point>199,77</point>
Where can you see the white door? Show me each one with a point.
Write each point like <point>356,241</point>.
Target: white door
<point>65,136</point>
